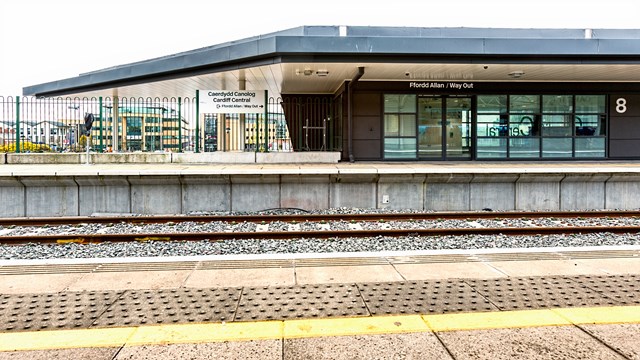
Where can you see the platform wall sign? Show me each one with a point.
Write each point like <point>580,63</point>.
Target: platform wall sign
<point>232,101</point>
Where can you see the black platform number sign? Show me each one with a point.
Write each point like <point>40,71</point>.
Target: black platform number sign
<point>88,123</point>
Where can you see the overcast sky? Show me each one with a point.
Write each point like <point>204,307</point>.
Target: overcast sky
<point>48,40</point>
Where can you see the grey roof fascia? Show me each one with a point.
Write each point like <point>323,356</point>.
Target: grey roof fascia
<point>268,49</point>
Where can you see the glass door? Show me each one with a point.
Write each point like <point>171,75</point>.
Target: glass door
<point>430,127</point>
<point>458,129</point>
<point>444,127</point>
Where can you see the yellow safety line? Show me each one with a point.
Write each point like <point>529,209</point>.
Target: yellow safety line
<point>291,329</point>
<point>353,326</point>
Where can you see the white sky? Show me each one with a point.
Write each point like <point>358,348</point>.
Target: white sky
<point>48,40</point>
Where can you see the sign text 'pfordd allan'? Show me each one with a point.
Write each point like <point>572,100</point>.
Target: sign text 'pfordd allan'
<point>440,85</point>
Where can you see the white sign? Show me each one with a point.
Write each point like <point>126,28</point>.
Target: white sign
<point>232,101</point>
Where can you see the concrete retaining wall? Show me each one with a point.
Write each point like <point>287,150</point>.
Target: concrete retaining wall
<point>317,157</point>
<point>181,193</point>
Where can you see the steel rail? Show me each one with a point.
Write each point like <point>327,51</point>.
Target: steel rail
<point>258,218</point>
<point>321,234</point>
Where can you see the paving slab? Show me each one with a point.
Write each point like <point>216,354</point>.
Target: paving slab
<point>397,346</point>
<point>241,277</point>
<point>621,337</point>
<point>131,280</point>
<point>544,268</point>
<point>523,293</point>
<point>63,354</point>
<point>300,301</point>
<point>68,310</point>
<point>613,266</point>
<point>422,297</point>
<point>261,349</point>
<point>553,343</point>
<point>448,271</point>
<point>155,307</point>
<point>346,274</point>
<point>37,283</point>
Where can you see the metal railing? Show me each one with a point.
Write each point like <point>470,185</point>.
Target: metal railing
<point>29,124</point>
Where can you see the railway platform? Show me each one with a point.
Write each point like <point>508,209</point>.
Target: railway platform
<point>469,304</point>
<point>40,190</point>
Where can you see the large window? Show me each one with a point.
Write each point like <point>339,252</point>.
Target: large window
<point>399,126</point>
<point>541,126</point>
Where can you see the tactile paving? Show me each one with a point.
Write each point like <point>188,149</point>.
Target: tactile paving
<point>29,312</point>
<point>422,297</point>
<point>301,301</point>
<point>138,307</point>
<point>624,289</point>
<point>538,292</point>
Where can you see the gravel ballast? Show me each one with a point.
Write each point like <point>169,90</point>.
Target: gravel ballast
<point>331,245</point>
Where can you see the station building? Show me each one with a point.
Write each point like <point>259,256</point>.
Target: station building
<point>412,94</point>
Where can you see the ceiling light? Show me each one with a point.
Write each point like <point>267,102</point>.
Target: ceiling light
<point>305,72</point>
<point>516,74</point>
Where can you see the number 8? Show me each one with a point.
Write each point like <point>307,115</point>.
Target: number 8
<point>621,105</point>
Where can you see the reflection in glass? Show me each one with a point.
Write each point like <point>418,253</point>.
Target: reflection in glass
<point>492,104</point>
<point>524,147</point>
<point>399,125</point>
<point>524,104</point>
<point>489,148</point>
<point>523,125</point>
<point>590,104</point>
<point>430,126</point>
<point>590,125</point>
<point>592,147</point>
<point>557,103</point>
<point>399,103</point>
<point>400,148</point>
<point>458,130</point>
<point>556,147</point>
<point>556,125</point>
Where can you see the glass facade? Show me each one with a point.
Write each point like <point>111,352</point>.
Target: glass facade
<point>541,126</point>
<point>501,127</point>
<point>399,126</point>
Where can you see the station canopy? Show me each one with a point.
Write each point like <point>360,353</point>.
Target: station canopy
<point>319,59</point>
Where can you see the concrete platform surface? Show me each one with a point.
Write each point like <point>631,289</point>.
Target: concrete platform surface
<point>502,167</point>
<point>417,306</point>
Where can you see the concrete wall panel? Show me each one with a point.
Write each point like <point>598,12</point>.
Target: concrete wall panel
<point>206,193</point>
<point>495,196</point>
<point>402,191</point>
<point>155,194</point>
<point>583,192</point>
<point>11,197</point>
<point>103,195</point>
<point>538,192</point>
<point>304,192</point>
<point>255,192</point>
<point>493,191</point>
<point>444,192</point>
<point>353,191</point>
<point>623,192</point>
<point>50,196</point>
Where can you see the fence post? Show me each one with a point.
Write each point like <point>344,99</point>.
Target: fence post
<point>101,135</point>
<point>179,124</point>
<point>17,124</point>
<point>197,121</point>
<point>266,121</point>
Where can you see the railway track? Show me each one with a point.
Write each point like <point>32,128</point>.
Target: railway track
<point>258,218</point>
<point>326,233</point>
